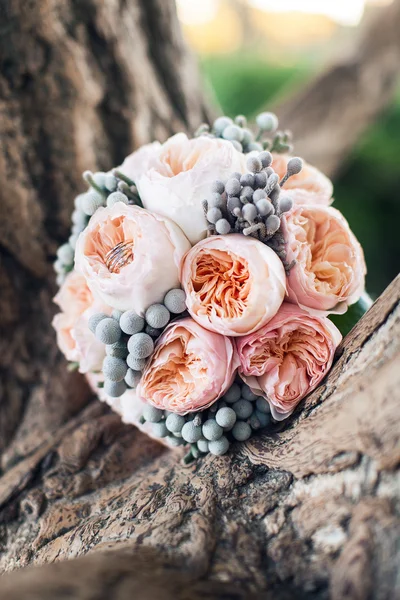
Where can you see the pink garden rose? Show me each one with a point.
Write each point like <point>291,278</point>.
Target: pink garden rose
<point>234,284</point>
<point>330,267</point>
<point>130,257</point>
<point>287,358</point>
<point>74,338</point>
<point>310,186</point>
<point>189,369</point>
<point>174,178</point>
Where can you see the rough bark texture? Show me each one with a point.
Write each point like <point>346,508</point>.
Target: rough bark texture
<point>304,512</point>
<point>328,116</point>
<point>312,510</point>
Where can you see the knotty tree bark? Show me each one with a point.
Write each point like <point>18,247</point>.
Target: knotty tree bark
<point>305,512</point>
<point>310,512</point>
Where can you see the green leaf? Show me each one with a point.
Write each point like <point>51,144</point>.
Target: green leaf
<point>73,366</point>
<point>346,322</point>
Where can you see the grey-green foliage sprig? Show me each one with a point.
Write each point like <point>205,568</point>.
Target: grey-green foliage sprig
<point>129,340</point>
<point>267,137</point>
<point>237,416</point>
<point>252,203</point>
<point>105,189</point>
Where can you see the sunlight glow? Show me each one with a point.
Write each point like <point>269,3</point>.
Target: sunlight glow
<point>344,12</point>
<point>193,12</point>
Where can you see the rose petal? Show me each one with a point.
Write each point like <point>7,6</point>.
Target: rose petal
<point>288,357</point>
<point>234,284</point>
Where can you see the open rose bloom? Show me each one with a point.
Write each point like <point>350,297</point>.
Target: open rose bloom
<point>287,358</point>
<point>329,268</point>
<point>74,338</point>
<point>189,370</point>
<point>174,178</point>
<point>234,284</point>
<point>130,257</point>
<point>207,269</point>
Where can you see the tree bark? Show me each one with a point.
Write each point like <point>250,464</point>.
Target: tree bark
<point>329,115</point>
<point>305,512</point>
<point>308,512</point>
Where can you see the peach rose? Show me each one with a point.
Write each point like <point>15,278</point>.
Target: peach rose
<point>330,267</point>
<point>234,284</point>
<point>310,186</point>
<point>74,296</point>
<point>130,257</point>
<point>189,370</point>
<point>74,338</point>
<point>174,178</point>
<point>63,325</point>
<point>288,357</point>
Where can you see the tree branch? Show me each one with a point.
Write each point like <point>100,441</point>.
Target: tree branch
<point>328,116</point>
<point>308,508</point>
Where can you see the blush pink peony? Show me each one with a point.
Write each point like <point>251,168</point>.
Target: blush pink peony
<point>174,178</point>
<point>130,257</point>
<point>189,369</point>
<point>288,357</point>
<point>310,186</point>
<point>74,338</point>
<point>329,273</point>
<point>234,284</point>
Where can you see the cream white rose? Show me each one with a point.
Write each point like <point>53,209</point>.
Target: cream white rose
<point>174,178</point>
<point>130,257</point>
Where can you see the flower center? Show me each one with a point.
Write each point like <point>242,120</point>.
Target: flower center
<point>175,376</point>
<point>119,256</point>
<point>222,283</point>
<point>305,347</point>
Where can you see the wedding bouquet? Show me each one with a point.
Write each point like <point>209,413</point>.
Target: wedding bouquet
<point>197,284</point>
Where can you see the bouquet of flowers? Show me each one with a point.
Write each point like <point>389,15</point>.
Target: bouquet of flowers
<point>197,282</point>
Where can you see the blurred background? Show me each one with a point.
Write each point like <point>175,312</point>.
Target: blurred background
<point>255,53</point>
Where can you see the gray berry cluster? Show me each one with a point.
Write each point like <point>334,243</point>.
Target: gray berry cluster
<point>252,203</point>
<point>235,417</point>
<point>105,189</point>
<point>242,137</point>
<point>66,253</point>
<point>129,340</point>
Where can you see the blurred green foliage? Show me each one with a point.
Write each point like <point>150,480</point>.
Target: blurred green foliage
<point>367,190</point>
<point>243,83</point>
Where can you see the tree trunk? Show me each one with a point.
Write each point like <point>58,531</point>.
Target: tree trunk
<point>304,512</point>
